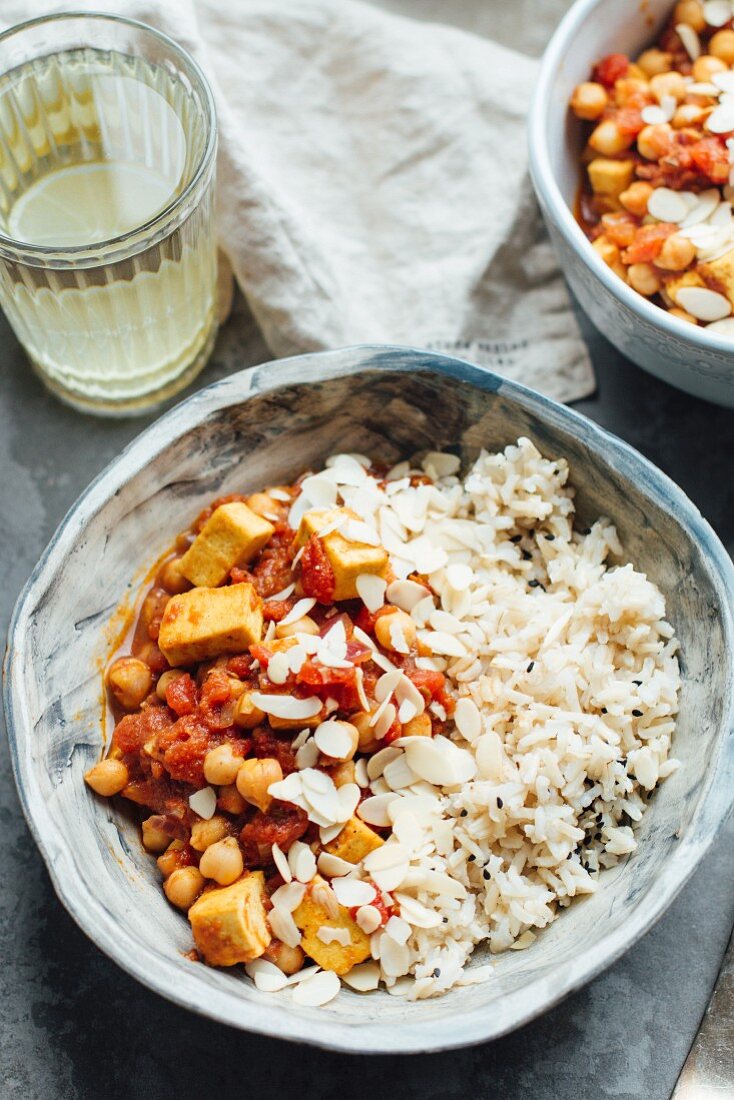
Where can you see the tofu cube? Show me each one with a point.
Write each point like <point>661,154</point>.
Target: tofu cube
<point>230,924</point>
<point>354,842</point>
<point>232,535</point>
<point>311,915</point>
<point>718,274</point>
<point>347,558</point>
<point>610,177</point>
<point>209,622</point>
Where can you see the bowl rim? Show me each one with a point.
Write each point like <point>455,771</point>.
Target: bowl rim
<point>172,978</point>
<point>542,105</point>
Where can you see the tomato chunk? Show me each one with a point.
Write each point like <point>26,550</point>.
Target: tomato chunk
<point>317,575</point>
<point>611,69</point>
<point>648,242</point>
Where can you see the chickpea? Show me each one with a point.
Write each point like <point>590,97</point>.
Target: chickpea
<point>627,88</point>
<point>690,114</point>
<point>705,66</point>
<point>206,833</point>
<point>722,46</point>
<point>636,197</point>
<point>263,505</point>
<point>130,681</point>
<point>221,765</point>
<point>367,740</point>
<point>690,12</point>
<point>611,255</point>
<point>171,858</point>
<point>223,861</point>
<point>644,279</point>
<point>306,625</point>
<point>108,777</point>
<point>173,579</point>
<point>609,140</point>
<point>255,777</point>
<point>589,100</point>
<point>165,679</point>
<point>653,62</point>
<point>683,315</point>
<point>386,633</point>
<point>154,839</point>
<point>343,773</point>
<point>231,801</point>
<point>246,714</point>
<point>668,84</point>
<point>634,72</point>
<point>420,726</point>
<point>236,688</point>
<point>676,254</point>
<point>183,887</point>
<point>288,959</point>
<point>653,142</point>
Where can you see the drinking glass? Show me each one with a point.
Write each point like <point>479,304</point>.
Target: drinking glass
<point>107,241</point>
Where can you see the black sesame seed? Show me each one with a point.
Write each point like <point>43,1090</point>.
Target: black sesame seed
<point>597,836</point>
<point>586,531</point>
<point>500,803</point>
<point>516,538</point>
<point>637,713</point>
<point>570,855</point>
<point>445,920</point>
<point>600,818</point>
<point>531,666</point>
<point>604,710</point>
<point>464,813</point>
<point>533,584</point>
<point>637,682</point>
<point>526,556</point>
<point>471,857</point>
<point>550,538</point>
<point>436,972</point>
<point>485,873</point>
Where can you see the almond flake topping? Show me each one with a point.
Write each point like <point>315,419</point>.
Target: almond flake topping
<point>363,978</point>
<point>203,803</point>
<point>287,706</point>
<point>371,591</point>
<point>318,990</point>
<point>352,891</point>
<point>717,12</point>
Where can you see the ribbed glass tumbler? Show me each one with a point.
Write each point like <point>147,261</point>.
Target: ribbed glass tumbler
<point>107,241</point>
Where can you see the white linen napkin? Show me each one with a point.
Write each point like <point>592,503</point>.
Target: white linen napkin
<point>372,182</point>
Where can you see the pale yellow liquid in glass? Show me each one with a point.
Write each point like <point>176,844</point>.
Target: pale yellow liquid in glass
<point>93,146</point>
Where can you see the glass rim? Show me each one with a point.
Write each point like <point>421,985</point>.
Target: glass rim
<point>25,251</point>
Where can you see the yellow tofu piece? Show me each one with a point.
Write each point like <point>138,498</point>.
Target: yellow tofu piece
<point>230,924</point>
<point>718,274</point>
<point>354,842</point>
<point>348,559</point>
<point>610,177</point>
<point>209,622</point>
<point>310,916</point>
<point>232,535</point>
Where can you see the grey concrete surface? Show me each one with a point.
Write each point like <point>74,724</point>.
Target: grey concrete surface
<point>74,1027</point>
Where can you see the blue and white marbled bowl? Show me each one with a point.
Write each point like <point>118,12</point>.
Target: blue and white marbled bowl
<point>689,357</point>
<point>266,425</point>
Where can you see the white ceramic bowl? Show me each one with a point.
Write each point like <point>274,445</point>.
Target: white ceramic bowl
<point>266,425</point>
<point>694,360</point>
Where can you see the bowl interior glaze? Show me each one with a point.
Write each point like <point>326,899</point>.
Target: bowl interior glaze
<point>266,425</point>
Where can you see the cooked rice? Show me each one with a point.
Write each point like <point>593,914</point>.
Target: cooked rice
<point>567,656</point>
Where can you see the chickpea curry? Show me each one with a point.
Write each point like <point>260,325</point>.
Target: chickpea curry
<point>247,710</point>
<point>658,179</point>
